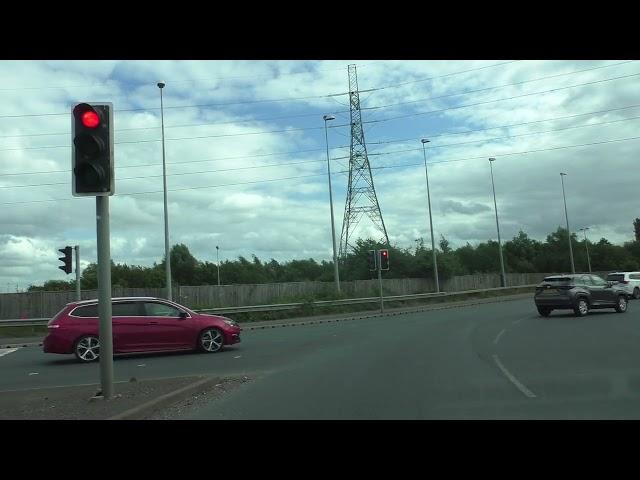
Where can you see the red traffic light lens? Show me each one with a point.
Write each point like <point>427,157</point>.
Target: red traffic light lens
<point>384,253</point>
<point>90,119</point>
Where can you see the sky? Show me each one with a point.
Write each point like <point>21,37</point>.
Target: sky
<point>246,154</point>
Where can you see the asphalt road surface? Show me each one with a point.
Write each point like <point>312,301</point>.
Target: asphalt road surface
<point>497,360</point>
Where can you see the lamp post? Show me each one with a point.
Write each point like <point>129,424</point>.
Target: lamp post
<point>495,205</point>
<point>586,245</point>
<point>566,215</point>
<point>433,242</point>
<point>167,256</point>
<point>336,273</point>
<point>218,262</point>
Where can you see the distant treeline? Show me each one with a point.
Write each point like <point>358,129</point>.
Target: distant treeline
<point>521,254</point>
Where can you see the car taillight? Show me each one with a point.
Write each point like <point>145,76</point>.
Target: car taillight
<point>625,282</point>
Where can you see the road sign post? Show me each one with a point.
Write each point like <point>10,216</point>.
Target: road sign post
<point>379,262</point>
<point>104,296</point>
<point>77,249</point>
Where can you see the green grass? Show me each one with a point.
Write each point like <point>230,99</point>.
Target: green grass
<point>27,331</point>
<point>308,309</point>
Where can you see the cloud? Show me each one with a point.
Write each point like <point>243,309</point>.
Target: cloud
<point>250,176</point>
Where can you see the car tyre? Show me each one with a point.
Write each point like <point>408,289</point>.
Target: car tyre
<point>544,312</point>
<point>210,340</point>
<point>636,293</point>
<point>582,307</point>
<point>87,348</point>
<point>622,304</point>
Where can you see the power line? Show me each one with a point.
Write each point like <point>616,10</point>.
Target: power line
<point>246,102</point>
<point>494,100</point>
<point>465,132</point>
<point>522,82</point>
<point>562,147</point>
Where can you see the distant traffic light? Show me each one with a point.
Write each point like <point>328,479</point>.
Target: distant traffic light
<point>92,150</point>
<point>66,251</point>
<point>373,264</point>
<point>384,259</point>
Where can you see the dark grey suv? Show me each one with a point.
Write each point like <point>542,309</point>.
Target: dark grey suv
<point>580,293</point>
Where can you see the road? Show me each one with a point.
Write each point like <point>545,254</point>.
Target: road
<point>497,360</point>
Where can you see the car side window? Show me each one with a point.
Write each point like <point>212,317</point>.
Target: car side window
<point>126,309</point>
<point>585,280</point>
<point>598,281</point>
<point>153,309</point>
<point>87,311</point>
<point>634,276</point>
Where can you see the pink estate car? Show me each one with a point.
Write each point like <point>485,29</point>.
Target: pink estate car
<point>140,324</point>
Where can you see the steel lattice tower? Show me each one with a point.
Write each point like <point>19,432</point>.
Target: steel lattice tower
<point>361,194</point>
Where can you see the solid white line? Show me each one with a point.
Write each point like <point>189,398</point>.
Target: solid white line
<point>495,342</point>
<point>7,351</point>
<point>512,379</point>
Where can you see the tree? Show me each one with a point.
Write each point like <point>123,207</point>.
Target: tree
<point>183,265</point>
<point>444,244</point>
<point>636,228</point>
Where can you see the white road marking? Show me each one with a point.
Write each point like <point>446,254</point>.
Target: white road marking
<point>512,379</point>
<point>34,373</point>
<point>495,342</point>
<point>7,351</point>
<point>142,365</point>
<point>238,356</point>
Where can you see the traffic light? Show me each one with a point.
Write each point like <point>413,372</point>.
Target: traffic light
<point>66,251</point>
<point>373,264</point>
<point>384,259</point>
<point>92,150</point>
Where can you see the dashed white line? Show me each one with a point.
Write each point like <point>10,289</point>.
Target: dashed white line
<point>512,379</point>
<point>495,342</point>
<point>7,351</point>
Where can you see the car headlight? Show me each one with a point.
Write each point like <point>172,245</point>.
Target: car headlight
<point>230,322</point>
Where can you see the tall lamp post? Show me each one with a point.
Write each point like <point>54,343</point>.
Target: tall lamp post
<point>336,273</point>
<point>218,262</point>
<point>433,242</point>
<point>566,215</point>
<point>495,205</point>
<point>167,256</point>
<point>586,245</point>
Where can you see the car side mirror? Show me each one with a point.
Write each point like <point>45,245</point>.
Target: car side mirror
<point>183,315</point>
<point>610,284</point>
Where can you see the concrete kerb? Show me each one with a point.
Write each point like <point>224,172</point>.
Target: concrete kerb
<point>141,411</point>
<point>20,345</point>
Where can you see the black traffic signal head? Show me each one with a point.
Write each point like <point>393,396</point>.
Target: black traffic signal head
<point>373,265</point>
<point>384,259</point>
<point>92,149</point>
<point>66,251</point>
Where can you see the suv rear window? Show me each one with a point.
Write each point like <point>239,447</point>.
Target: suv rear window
<point>615,277</point>
<point>559,280</point>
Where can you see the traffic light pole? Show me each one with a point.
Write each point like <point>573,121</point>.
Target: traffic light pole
<point>77,249</point>
<point>379,255</point>
<point>104,296</point>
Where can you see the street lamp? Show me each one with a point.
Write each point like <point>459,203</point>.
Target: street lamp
<point>167,257</point>
<point>566,215</point>
<point>586,244</point>
<point>495,205</point>
<point>433,242</point>
<point>336,274</point>
<point>218,262</point>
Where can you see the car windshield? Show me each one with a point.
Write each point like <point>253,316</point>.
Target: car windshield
<point>615,277</point>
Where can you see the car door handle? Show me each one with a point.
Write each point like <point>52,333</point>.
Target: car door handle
<point>153,323</point>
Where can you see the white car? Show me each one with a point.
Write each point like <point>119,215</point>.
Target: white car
<point>629,281</point>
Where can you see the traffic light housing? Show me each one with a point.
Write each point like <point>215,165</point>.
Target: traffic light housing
<point>384,259</point>
<point>67,259</point>
<point>92,150</point>
<point>373,264</point>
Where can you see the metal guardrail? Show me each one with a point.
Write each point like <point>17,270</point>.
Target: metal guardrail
<point>292,306</point>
